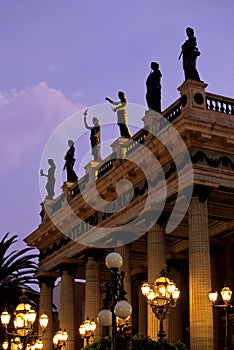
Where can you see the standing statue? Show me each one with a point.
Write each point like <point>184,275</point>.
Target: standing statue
<point>153,85</point>
<point>70,161</point>
<point>122,115</point>
<point>95,136</point>
<point>190,52</point>
<point>50,179</point>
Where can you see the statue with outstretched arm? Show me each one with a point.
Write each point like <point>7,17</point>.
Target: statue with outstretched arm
<point>95,136</point>
<point>122,115</point>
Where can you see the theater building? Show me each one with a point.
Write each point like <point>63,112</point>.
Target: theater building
<point>196,246</point>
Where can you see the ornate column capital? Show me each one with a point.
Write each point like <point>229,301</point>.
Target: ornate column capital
<point>46,278</point>
<point>96,254</point>
<point>201,192</point>
<point>163,218</point>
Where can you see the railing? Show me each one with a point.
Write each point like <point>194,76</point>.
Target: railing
<point>57,204</point>
<point>137,139</point>
<point>105,168</point>
<point>173,111</point>
<point>80,186</point>
<point>219,104</point>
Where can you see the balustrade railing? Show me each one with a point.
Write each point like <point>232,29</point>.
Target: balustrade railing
<point>173,111</point>
<point>219,104</point>
<point>108,165</point>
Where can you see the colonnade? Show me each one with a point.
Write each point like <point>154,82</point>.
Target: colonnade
<point>201,321</point>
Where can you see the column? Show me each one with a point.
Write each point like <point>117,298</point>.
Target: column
<point>142,312</point>
<point>177,319</point>
<point>67,306</point>
<point>156,262</point>
<point>124,251</point>
<point>46,284</point>
<point>141,303</point>
<point>201,330</point>
<point>92,291</point>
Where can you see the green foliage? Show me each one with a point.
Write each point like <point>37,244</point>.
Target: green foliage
<point>138,342</point>
<point>180,345</point>
<point>17,268</point>
<point>101,344</point>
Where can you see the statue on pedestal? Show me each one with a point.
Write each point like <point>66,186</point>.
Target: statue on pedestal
<point>95,136</point>
<point>122,115</point>
<point>50,179</point>
<point>70,161</point>
<point>153,85</point>
<point>190,52</point>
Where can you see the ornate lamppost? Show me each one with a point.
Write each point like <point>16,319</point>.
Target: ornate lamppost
<point>24,335</point>
<point>60,338</point>
<point>226,295</point>
<point>115,302</point>
<point>87,330</point>
<point>161,295</point>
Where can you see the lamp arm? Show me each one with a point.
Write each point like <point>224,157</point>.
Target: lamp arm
<point>224,306</point>
<point>38,335</point>
<point>10,333</point>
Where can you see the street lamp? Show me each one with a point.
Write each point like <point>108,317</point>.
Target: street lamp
<point>87,330</point>
<point>60,338</point>
<point>24,334</point>
<point>115,303</point>
<point>161,295</point>
<point>226,294</point>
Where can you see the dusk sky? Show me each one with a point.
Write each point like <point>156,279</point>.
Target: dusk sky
<point>59,57</point>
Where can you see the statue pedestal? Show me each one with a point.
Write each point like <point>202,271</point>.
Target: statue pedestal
<point>193,95</point>
<point>119,147</point>
<point>66,189</point>
<point>151,121</point>
<point>91,170</point>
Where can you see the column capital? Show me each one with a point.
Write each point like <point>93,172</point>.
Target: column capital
<point>140,277</point>
<point>163,218</point>
<point>47,278</point>
<point>202,192</point>
<point>69,265</point>
<point>96,254</point>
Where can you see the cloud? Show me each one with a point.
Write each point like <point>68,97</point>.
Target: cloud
<point>28,117</point>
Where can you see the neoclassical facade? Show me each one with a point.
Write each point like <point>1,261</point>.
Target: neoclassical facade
<point>197,247</point>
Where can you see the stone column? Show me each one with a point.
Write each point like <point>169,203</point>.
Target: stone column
<point>124,251</point>
<point>142,312</point>
<point>92,291</point>
<point>201,330</point>
<point>142,304</point>
<point>67,306</point>
<point>156,262</point>
<point>175,321</point>
<point>46,300</point>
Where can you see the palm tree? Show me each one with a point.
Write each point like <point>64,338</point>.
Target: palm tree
<point>17,269</point>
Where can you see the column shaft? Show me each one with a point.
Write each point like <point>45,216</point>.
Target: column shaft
<point>156,262</point>
<point>142,312</point>
<point>46,301</point>
<point>201,332</point>
<point>92,292</point>
<point>67,308</point>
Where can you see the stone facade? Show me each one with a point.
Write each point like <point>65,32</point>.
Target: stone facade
<point>198,251</point>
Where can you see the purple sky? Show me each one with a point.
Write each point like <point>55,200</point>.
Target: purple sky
<point>58,57</point>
